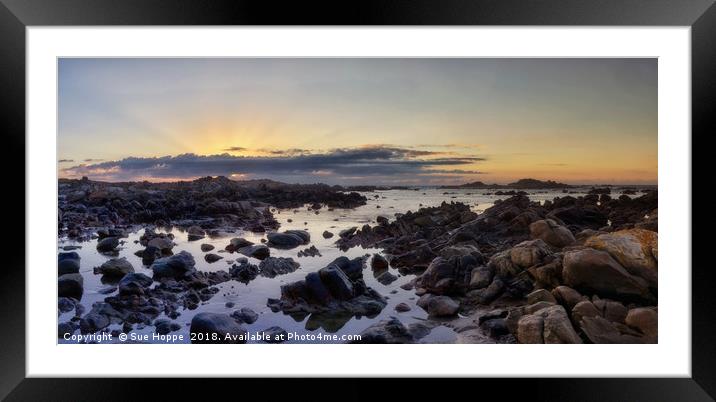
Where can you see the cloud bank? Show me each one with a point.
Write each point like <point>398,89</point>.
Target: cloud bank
<point>361,165</point>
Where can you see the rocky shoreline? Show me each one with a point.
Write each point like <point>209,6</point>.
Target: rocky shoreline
<point>569,270</point>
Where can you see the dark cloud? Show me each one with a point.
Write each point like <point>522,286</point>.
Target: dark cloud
<point>234,149</point>
<point>363,163</point>
<point>66,160</point>
<point>92,160</point>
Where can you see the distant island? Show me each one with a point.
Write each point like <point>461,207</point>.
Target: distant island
<point>523,184</point>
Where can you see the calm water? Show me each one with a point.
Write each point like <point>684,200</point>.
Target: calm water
<point>255,294</point>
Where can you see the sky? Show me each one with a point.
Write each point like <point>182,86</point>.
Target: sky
<point>359,120</point>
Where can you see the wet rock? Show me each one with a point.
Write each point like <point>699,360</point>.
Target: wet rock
<point>378,262</point>
<point>68,263</point>
<point>195,233</point>
<point>580,217</point>
<point>390,331</point>
<point>274,266</point>
<point>327,234</point>
<point>288,239</point>
<point>150,254</point>
<point>386,278</point>
<point>309,252</point>
<point>70,285</point>
<point>65,304</point>
<point>175,266</point>
<point>347,232</point>
<point>93,322</point>
<point>115,267</point>
<point>163,244</point>
<point>237,243</point>
<point>634,249</point>
<point>245,315</point>
<point>244,272</point>
<point>439,306</point>
<point>162,326</point>
<point>337,282</point>
<point>220,328</point>
<point>258,251</point>
<point>402,307</point>
<point>274,335</point>
<point>211,257</point>
<point>596,272</point>
<point>108,244</point>
<point>551,233</point>
<point>382,220</point>
<point>206,247</point>
<point>134,284</point>
<point>448,276</point>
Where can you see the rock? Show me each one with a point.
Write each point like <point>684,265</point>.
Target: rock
<point>211,257</point>
<point>237,243</point>
<point>547,325</point>
<point>390,331</point>
<point>245,315</point>
<point>65,304</point>
<point>580,217</point>
<point>645,319</point>
<point>244,272</point>
<point>595,271</point>
<point>378,262</point>
<point>386,278</point>
<point>107,244</point>
<point>382,220</point>
<point>541,295</point>
<point>116,267</point>
<point>175,266</point>
<point>610,309</point>
<point>634,249</point>
<point>150,254</point>
<point>70,285</point>
<point>162,326</point>
<point>309,252</point>
<point>600,330</point>
<point>68,263</point>
<point>274,266</point>
<point>481,277</point>
<point>164,244</point>
<point>551,233</point>
<point>93,322</point>
<point>337,282</point>
<point>567,296</point>
<point>258,251</point>
<point>274,335</point>
<point>217,328</point>
<point>584,309</point>
<point>206,247</point>
<point>441,306</point>
<point>327,234</point>
<point>448,276</point>
<point>347,232</point>
<point>195,233</point>
<point>529,253</point>
<point>65,328</point>
<point>402,307</point>
<point>288,239</point>
<point>134,284</point>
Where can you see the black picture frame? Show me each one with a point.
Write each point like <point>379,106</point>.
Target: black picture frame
<point>16,15</point>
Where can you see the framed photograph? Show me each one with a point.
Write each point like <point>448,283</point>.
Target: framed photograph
<point>470,189</point>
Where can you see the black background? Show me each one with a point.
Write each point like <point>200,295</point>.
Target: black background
<point>15,15</point>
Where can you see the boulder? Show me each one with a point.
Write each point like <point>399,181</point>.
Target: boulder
<point>529,253</point>
<point>439,306</point>
<point>288,239</point>
<point>567,296</point>
<point>390,331</point>
<point>70,285</point>
<point>645,319</point>
<point>93,322</point>
<point>245,315</point>
<point>116,267</point>
<point>448,276</point>
<point>237,243</point>
<point>541,295</point>
<point>337,282</point>
<point>258,251</point>
<point>595,271</point>
<point>217,328</point>
<point>551,233</point>
<point>206,247</point>
<point>274,266</point>
<point>378,262</point>
<point>195,233</point>
<point>600,330</point>
<point>108,244</point>
<point>164,244</point>
<point>175,266</point>
<point>134,284</point>
<point>634,249</point>
<point>480,277</point>
<point>327,234</point>
<point>68,263</point>
<point>211,257</point>
<point>547,325</point>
